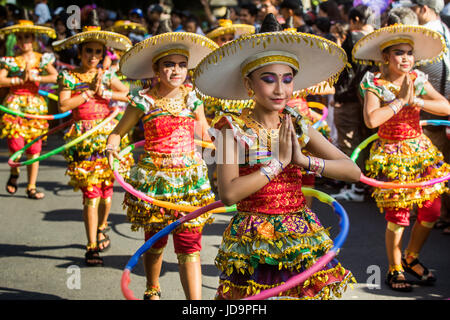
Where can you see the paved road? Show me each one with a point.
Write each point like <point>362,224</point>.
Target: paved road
<point>42,245</point>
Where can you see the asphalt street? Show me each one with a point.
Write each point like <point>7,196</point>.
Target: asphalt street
<point>42,246</point>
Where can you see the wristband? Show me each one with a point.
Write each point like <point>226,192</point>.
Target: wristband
<point>107,94</point>
<point>111,147</point>
<point>418,102</point>
<point>15,80</point>
<point>85,96</point>
<point>395,105</point>
<point>316,165</point>
<point>272,169</point>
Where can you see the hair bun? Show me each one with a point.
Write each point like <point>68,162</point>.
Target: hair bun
<point>270,24</point>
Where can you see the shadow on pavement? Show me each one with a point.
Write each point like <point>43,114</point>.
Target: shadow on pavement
<point>16,294</point>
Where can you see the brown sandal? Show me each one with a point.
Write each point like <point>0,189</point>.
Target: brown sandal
<point>92,257</point>
<point>10,183</point>
<point>33,192</point>
<point>393,278</point>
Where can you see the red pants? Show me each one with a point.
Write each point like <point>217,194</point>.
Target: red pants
<point>184,242</point>
<point>430,212</point>
<point>15,144</point>
<point>100,190</point>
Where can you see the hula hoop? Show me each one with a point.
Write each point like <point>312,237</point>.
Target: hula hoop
<point>59,149</point>
<point>322,107</point>
<point>393,185</point>
<point>204,144</point>
<point>36,116</point>
<point>164,204</point>
<point>292,282</point>
<point>48,95</point>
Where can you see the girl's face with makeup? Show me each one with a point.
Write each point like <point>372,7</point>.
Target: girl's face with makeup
<point>172,70</point>
<point>400,58</point>
<point>25,41</point>
<point>273,85</point>
<point>91,54</point>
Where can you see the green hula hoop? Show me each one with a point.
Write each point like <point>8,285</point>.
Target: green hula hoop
<point>19,153</point>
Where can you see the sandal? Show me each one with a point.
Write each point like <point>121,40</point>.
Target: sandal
<point>393,278</point>
<point>33,194</point>
<point>10,183</point>
<point>426,277</point>
<point>153,291</point>
<point>92,257</point>
<point>105,239</point>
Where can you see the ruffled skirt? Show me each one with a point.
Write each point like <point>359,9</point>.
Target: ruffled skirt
<point>406,161</point>
<point>87,162</point>
<point>13,126</point>
<point>177,178</point>
<point>260,251</point>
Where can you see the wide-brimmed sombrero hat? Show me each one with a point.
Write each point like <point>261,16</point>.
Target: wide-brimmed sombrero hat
<point>428,45</point>
<point>219,76</point>
<point>123,26</point>
<point>137,62</point>
<point>108,38</point>
<point>27,26</point>
<point>227,26</point>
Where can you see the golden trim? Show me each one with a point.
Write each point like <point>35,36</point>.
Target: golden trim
<point>170,52</point>
<point>105,201</point>
<point>395,227</point>
<point>269,60</point>
<point>427,224</point>
<point>109,38</point>
<point>393,42</point>
<point>264,40</point>
<point>241,29</point>
<point>27,26</point>
<point>394,30</point>
<point>167,38</point>
<point>91,202</point>
<point>184,258</point>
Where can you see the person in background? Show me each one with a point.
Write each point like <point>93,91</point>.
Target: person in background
<point>176,19</point>
<point>294,8</point>
<point>41,12</point>
<point>248,14</point>
<point>331,10</point>
<point>348,107</point>
<point>154,13</point>
<point>402,15</point>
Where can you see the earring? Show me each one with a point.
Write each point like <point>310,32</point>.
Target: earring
<point>250,93</point>
<point>386,62</point>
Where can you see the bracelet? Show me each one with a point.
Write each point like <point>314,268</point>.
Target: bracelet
<point>111,147</point>
<point>85,96</point>
<point>395,105</point>
<point>107,94</point>
<point>418,102</point>
<point>316,165</point>
<point>37,78</point>
<point>15,80</point>
<point>272,169</point>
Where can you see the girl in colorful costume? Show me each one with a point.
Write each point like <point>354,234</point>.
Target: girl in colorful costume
<point>87,91</point>
<point>273,236</point>
<point>23,74</point>
<point>393,99</point>
<point>170,169</point>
